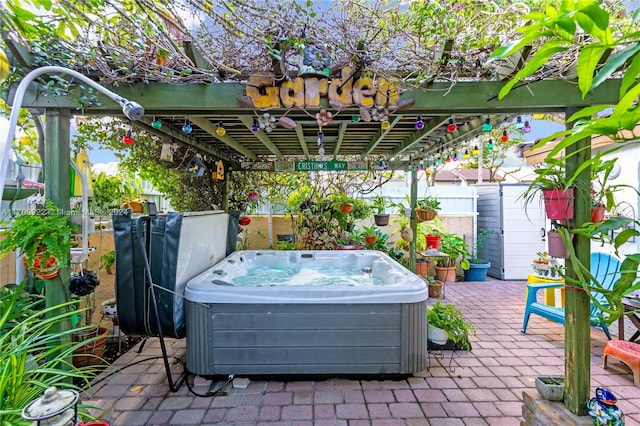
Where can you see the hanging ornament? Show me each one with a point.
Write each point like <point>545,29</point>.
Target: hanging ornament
<point>475,150</point>
<point>385,125</point>
<point>519,124</point>
<point>287,122</point>
<point>166,153</point>
<point>255,126</point>
<point>419,123</point>
<point>324,118</point>
<point>187,129</point>
<point>380,114</point>
<point>452,127</point>
<point>253,195</point>
<point>267,122</point>
<point>195,166</point>
<point>490,144</point>
<point>218,173</point>
<point>527,127</point>
<point>320,138</point>
<point>466,155</point>
<point>220,130</point>
<point>505,136</point>
<point>156,124</point>
<point>321,150</point>
<point>487,126</point>
<point>128,138</point>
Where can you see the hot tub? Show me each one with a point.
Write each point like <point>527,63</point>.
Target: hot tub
<point>306,313</point>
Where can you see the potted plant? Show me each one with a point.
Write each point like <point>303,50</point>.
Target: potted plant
<point>370,234</point>
<point>477,268</point>
<point>379,203</point>
<point>454,250</point>
<point>427,208</point>
<point>556,190</point>
<point>450,319</point>
<point>43,239</point>
<point>108,262</point>
<point>358,209</point>
<point>435,286</point>
<point>353,240</point>
<point>602,194</point>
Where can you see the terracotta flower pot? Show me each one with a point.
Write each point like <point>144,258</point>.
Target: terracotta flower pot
<point>371,239</point>
<point>422,267</point>
<point>597,213</point>
<point>346,208</point>
<point>435,289</point>
<point>92,352</point>
<point>446,274</point>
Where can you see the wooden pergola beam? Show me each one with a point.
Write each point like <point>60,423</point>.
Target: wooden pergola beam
<point>208,127</point>
<point>429,127</point>
<point>303,143</point>
<point>442,98</point>
<point>341,132</point>
<point>380,137</point>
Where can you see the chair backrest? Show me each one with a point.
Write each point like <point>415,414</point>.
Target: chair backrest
<point>606,269</point>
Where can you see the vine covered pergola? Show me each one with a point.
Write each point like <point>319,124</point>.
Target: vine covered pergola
<point>347,85</point>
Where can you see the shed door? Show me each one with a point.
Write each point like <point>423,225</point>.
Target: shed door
<point>522,231</point>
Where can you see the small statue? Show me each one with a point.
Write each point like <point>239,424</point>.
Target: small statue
<point>316,60</point>
<point>603,409</point>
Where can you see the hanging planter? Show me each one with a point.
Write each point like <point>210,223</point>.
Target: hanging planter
<point>47,271</point>
<point>423,215</point>
<point>597,213</point>
<point>558,203</point>
<point>346,207</point>
<point>557,248</point>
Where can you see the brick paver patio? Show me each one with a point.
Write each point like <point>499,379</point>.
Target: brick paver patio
<point>482,387</point>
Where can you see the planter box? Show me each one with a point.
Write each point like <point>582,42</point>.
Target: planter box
<point>550,388</point>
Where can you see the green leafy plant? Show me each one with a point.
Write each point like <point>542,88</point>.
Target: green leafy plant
<point>379,203</point>
<point>108,259</point>
<point>370,230</point>
<point>450,319</point>
<point>47,233</point>
<point>35,351</point>
<point>429,203</point>
<point>455,249</point>
<point>287,245</point>
<point>481,242</point>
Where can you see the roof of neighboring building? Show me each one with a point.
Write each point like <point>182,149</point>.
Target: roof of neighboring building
<point>465,175</point>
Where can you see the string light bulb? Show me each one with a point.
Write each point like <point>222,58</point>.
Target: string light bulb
<point>156,124</point>
<point>419,123</point>
<point>384,125</point>
<point>455,156</point>
<point>527,127</point>
<point>355,118</point>
<point>505,136</point>
<point>466,155</point>
<point>447,159</point>
<point>487,126</point>
<point>490,144</point>
<point>186,128</point>
<point>452,127</point>
<point>220,130</point>
<point>475,150</point>
<point>519,124</point>
<point>255,126</point>
<point>128,138</point>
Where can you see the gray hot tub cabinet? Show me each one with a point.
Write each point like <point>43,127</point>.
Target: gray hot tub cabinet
<point>312,339</point>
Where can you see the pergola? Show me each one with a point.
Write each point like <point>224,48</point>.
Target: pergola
<point>350,141</point>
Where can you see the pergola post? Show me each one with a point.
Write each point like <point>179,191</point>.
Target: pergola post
<point>57,163</point>
<point>577,363</point>
<point>414,225</point>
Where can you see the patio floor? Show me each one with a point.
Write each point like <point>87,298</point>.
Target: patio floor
<point>482,387</point>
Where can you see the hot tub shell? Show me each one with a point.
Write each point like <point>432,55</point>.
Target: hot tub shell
<point>306,330</point>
